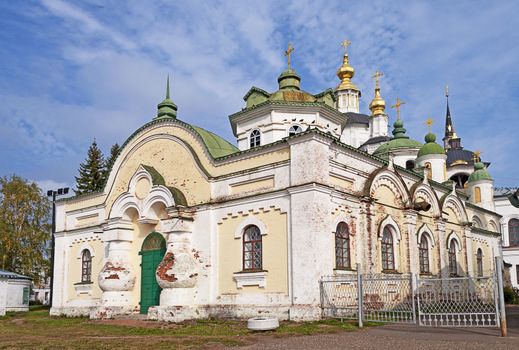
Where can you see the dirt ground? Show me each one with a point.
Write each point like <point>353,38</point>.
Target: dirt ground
<point>403,337</point>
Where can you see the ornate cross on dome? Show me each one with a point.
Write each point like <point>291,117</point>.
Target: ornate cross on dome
<point>288,52</point>
<point>397,106</point>
<point>476,156</point>
<point>345,44</point>
<point>429,123</point>
<point>377,76</point>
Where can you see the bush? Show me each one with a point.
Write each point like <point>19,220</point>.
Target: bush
<point>511,296</point>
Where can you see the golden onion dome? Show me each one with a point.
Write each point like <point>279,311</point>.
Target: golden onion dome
<point>377,105</point>
<point>345,73</point>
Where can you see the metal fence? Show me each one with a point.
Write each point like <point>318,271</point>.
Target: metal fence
<point>431,301</point>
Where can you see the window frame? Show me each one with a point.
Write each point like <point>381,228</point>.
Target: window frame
<point>294,130</point>
<point>387,249</point>
<point>453,258</point>
<point>86,266</point>
<point>255,138</point>
<point>423,255</point>
<point>255,266</point>
<point>479,262</point>
<point>342,246</point>
<point>513,223</point>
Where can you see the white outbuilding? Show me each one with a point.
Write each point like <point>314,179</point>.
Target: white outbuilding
<point>14,292</point>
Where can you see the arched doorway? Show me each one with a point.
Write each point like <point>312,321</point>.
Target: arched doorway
<point>152,252</point>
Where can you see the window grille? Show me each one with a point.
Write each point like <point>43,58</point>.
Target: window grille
<point>423,251</point>
<point>86,266</point>
<point>294,129</point>
<point>388,256</point>
<point>513,232</point>
<point>453,267</point>
<point>342,246</point>
<point>252,249</point>
<point>479,261</point>
<point>255,139</point>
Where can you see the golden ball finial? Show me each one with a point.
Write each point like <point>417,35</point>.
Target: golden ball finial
<point>346,72</point>
<point>377,105</point>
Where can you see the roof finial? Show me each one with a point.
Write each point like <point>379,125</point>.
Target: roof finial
<point>345,44</point>
<point>377,76</point>
<point>447,91</point>
<point>377,105</point>
<point>477,156</point>
<point>288,52</point>
<point>429,123</point>
<point>167,89</point>
<point>397,106</point>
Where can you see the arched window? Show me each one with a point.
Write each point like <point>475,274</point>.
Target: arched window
<point>342,246</point>
<point>513,232</point>
<point>86,266</point>
<point>294,129</point>
<point>409,165</point>
<point>252,248</point>
<point>429,170</point>
<point>255,138</point>
<point>423,253</point>
<point>477,195</point>
<point>453,264</point>
<point>388,255</point>
<point>479,261</point>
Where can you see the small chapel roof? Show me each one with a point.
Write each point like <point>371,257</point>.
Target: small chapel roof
<point>430,147</point>
<point>399,141</point>
<point>13,275</point>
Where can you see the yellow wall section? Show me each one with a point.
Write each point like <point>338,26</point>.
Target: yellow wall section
<point>341,181</point>
<point>249,186</point>
<point>74,268</point>
<point>274,254</point>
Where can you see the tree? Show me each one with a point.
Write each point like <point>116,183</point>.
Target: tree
<point>114,152</point>
<point>91,172</point>
<point>25,228</point>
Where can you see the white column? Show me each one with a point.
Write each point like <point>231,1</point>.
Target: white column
<point>470,253</point>
<point>117,277</point>
<point>410,222</point>
<point>442,247</point>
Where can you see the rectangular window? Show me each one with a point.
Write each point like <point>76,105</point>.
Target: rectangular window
<point>26,295</point>
<point>517,273</point>
<point>477,194</point>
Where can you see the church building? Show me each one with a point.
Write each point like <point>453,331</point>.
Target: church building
<point>190,226</point>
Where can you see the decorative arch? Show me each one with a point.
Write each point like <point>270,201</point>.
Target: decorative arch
<point>391,222</point>
<point>425,192</point>
<point>250,221</point>
<point>452,202</point>
<point>476,222</point>
<point>158,194</point>
<point>492,226</point>
<point>455,237</point>
<point>124,202</point>
<point>391,180</point>
<point>85,246</point>
<point>425,230</point>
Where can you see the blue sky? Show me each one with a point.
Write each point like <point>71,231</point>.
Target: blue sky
<point>74,71</point>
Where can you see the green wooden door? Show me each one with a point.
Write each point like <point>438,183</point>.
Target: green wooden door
<point>152,252</point>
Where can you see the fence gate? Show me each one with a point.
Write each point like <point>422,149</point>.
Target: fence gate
<point>458,302</point>
<point>388,298</point>
<point>431,301</point>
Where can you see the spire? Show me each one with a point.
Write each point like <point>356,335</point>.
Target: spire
<point>451,139</point>
<point>346,72</point>
<point>166,109</point>
<point>377,105</point>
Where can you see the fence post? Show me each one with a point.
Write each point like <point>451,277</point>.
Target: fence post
<point>360,301</point>
<point>413,290</point>
<point>502,312</point>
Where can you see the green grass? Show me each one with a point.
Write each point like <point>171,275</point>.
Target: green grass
<point>37,330</point>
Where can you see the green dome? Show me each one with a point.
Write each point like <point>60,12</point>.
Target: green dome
<point>289,79</point>
<point>480,173</point>
<point>217,146</point>
<point>431,147</point>
<point>399,141</point>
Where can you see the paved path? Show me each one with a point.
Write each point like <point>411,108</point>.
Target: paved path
<point>403,337</point>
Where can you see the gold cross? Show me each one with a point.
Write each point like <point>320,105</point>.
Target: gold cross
<point>429,123</point>
<point>377,78</point>
<point>397,107</point>
<point>477,156</point>
<point>345,44</point>
<point>288,52</point>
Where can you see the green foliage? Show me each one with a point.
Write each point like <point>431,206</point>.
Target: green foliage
<point>114,152</point>
<point>510,295</point>
<point>25,224</point>
<point>92,172</point>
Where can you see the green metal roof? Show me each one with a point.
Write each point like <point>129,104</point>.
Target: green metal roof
<point>217,146</point>
<point>399,141</point>
<point>480,173</point>
<point>431,147</point>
